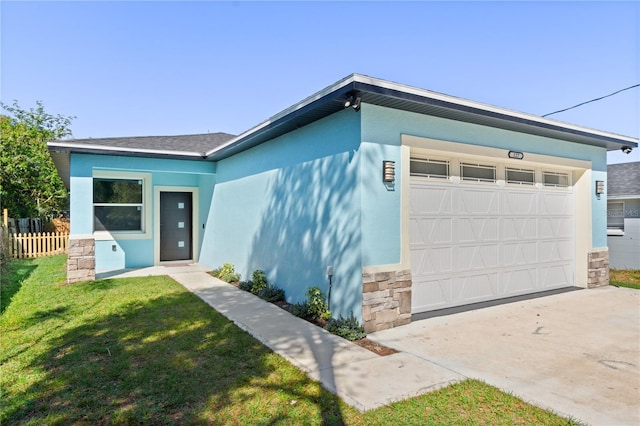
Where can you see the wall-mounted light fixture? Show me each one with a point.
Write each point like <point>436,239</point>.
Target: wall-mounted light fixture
<point>388,171</point>
<point>352,100</point>
<point>599,187</point>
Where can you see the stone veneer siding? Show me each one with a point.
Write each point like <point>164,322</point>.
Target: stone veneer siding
<point>598,269</point>
<point>386,300</point>
<point>81,259</point>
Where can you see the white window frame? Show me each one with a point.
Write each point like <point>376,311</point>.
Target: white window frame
<point>146,231</point>
<point>556,173</point>
<point>432,161</point>
<point>476,165</point>
<point>615,230</point>
<point>508,169</point>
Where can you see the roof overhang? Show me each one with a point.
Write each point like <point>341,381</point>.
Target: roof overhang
<point>398,96</point>
<point>60,152</point>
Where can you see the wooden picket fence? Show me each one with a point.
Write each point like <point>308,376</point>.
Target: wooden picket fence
<point>37,244</point>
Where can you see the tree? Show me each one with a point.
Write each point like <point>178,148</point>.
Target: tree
<point>29,182</point>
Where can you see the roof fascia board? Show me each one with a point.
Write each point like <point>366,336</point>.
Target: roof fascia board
<point>373,85</point>
<point>368,84</point>
<point>114,150</point>
<point>341,87</point>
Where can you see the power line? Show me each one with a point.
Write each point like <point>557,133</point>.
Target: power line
<point>593,100</point>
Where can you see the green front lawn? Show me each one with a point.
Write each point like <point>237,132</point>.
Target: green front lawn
<point>145,350</point>
<point>625,278</point>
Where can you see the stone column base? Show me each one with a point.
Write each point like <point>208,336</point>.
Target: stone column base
<point>598,269</point>
<point>81,259</point>
<point>386,300</point>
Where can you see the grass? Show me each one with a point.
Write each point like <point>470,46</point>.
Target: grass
<point>625,278</point>
<point>145,350</point>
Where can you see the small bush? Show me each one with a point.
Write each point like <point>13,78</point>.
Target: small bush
<point>245,285</point>
<point>301,310</point>
<point>317,303</point>
<point>228,273</point>
<point>348,328</point>
<point>259,281</point>
<point>271,293</point>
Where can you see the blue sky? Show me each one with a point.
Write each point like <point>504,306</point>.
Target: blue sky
<point>160,68</point>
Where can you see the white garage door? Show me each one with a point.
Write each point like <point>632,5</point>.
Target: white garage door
<point>475,242</point>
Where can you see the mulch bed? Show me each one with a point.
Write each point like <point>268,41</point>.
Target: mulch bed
<point>370,345</point>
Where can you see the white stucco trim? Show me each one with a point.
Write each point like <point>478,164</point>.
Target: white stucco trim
<point>146,203</point>
<point>195,215</point>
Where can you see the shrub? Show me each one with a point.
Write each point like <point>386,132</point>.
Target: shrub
<point>245,285</point>
<point>271,293</point>
<point>301,310</point>
<point>348,328</point>
<point>317,303</point>
<point>259,281</point>
<point>4,249</point>
<point>227,273</point>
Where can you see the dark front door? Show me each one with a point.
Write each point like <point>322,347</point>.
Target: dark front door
<point>175,226</point>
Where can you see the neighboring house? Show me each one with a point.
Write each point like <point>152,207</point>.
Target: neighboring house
<point>417,200</point>
<point>623,215</point>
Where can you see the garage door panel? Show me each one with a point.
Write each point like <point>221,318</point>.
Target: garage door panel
<point>520,253</point>
<point>432,294</point>
<point>555,250</point>
<point>477,229</point>
<point>475,288</point>
<point>556,276</point>
<point>471,244</point>
<point>431,200</point>
<point>556,227</point>
<point>518,203</point>
<point>556,203</point>
<point>520,281</point>
<point>476,257</point>
<point>519,228</point>
<point>470,201</point>
<point>433,261</point>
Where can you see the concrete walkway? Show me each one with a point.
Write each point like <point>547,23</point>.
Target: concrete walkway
<point>361,378</point>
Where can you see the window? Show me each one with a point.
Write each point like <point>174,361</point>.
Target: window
<point>429,168</point>
<point>560,180</point>
<point>520,176</point>
<point>615,218</point>
<point>118,204</point>
<point>477,172</point>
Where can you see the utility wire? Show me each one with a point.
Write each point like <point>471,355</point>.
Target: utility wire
<point>593,100</point>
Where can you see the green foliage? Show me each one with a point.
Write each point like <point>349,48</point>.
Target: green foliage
<point>317,303</point>
<point>348,328</point>
<point>29,182</point>
<point>245,285</point>
<point>271,293</point>
<point>227,273</point>
<point>259,280</point>
<point>301,310</point>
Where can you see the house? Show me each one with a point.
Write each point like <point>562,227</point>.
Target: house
<point>416,200</point>
<point>623,215</point>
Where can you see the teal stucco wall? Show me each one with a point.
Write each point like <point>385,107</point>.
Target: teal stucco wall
<point>133,253</point>
<point>291,207</point>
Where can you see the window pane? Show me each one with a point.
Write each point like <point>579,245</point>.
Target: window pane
<point>615,215</point>
<point>117,191</point>
<point>520,176</point>
<point>555,179</point>
<point>429,168</point>
<point>118,218</point>
<point>477,172</point>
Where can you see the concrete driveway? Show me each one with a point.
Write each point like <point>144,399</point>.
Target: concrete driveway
<point>575,353</point>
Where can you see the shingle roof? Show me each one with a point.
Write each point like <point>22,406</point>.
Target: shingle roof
<point>180,143</point>
<point>623,179</point>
